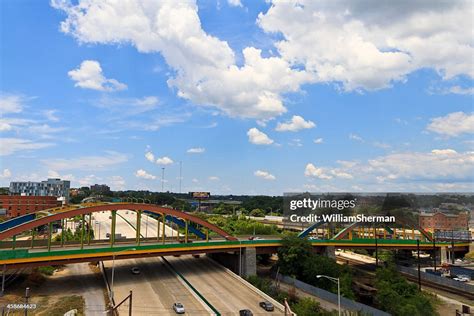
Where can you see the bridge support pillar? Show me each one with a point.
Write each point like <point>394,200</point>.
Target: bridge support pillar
<point>249,262</point>
<point>330,251</point>
<point>444,254</point>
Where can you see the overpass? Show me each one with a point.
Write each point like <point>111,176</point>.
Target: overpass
<point>21,243</point>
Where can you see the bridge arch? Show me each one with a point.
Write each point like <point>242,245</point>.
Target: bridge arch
<point>159,210</point>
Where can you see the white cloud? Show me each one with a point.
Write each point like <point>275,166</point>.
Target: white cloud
<point>7,123</point>
<point>51,115</point>
<point>461,90</point>
<point>258,138</point>
<point>149,156</point>
<point>196,150</point>
<point>318,141</point>
<point>86,162</point>
<point>435,165</point>
<point>314,172</point>
<point>194,180</point>
<point>140,173</point>
<point>264,175</point>
<point>355,137</point>
<point>205,67</point>
<point>89,76</point>
<point>10,103</point>
<point>381,145</point>
<point>234,3</point>
<point>214,178</point>
<point>367,45</point>
<point>116,183</point>
<point>6,173</point>
<point>295,124</point>
<point>453,124</point>
<point>164,161</point>
<point>341,174</point>
<point>128,106</point>
<point>12,145</point>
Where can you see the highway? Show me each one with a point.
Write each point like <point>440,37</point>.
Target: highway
<point>224,292</point>
<point>125,225</point>
<point>155,289</point>
<point>148,227</point>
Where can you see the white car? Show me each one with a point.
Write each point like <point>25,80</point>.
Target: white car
<point>178,308</point>
<point>461,279</point>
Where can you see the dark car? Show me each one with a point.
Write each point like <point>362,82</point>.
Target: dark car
<point>266,305</point>
<point>245,312</point>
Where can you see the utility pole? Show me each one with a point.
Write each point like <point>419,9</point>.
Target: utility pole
<point>419,269</point>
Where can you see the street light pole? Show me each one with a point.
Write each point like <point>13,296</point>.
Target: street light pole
<point>335,280</point>
<point>113,273</point>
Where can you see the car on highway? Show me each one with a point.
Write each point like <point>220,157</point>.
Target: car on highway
<point>313,238</point>
<point>255,238</point>
<point>107,235</point>
<point>266,305</point>
<point>178,308</point>
<point>245,312</point>
<point>135,270</point>
<point>462,278</point>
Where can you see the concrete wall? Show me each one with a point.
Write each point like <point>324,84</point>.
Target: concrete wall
<point>230,260</point>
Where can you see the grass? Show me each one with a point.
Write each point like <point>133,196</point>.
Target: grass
<point>63,305</point>
<point>47,270</point>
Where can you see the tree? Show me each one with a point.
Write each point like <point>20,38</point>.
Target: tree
<point>398,297</point>
<point>292,255</point>
<point>257,213</point>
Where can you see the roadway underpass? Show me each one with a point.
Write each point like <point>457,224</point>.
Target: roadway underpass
<point>226,293</point>
<point>155,289</point>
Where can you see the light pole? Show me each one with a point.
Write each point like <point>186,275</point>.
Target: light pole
<point>335,280</point>
<point>113,272</point>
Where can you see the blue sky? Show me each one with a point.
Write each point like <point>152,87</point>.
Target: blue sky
<point>252,97</point>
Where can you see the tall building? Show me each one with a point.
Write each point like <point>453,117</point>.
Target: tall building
<point>17,205</point>
<point>50,187</point>
<point>100,188</point>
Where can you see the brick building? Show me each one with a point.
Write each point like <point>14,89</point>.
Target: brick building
<point>442,221</point>
<point>17,205</point>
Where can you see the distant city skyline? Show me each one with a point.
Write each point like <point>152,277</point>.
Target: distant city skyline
<point>245,97</point>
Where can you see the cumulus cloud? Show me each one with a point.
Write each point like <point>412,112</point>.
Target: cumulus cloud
<point>140,173</point>
<point>295,124</point>
<point>149,156</point>
<point>234,3</point>
<point>258,138</point>
<point>89,76</point>
<point>314,172</point>
<point>264,175</point>
<point>205,68</point>
<point>368,46</point>
<point>164,161</point>
<point>214,178</point>
<point>6,173</point>
<point>318,141</point>
<point>196,150</point>
<point>453,124</point>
